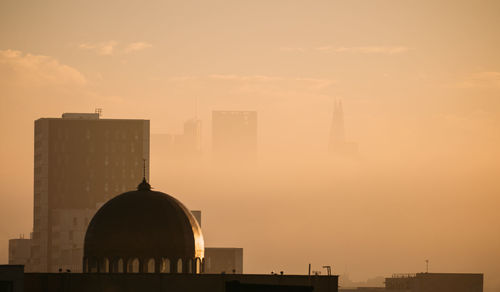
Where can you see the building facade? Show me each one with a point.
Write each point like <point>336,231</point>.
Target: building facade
<point>19,251</point>
<point>223,260</point>
<point>80,162</point>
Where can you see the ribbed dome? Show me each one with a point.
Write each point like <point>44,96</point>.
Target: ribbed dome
<point>144,224</point>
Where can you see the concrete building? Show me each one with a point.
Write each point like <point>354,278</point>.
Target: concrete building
<point>228,260</point>
<point>81,161</point>
<point>234,135</point>
<point>197,216</point>
<point>19,251</point>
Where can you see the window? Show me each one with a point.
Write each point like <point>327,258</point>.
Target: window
<point>179,266</point>
<point>119,266</point>
<point>165,266</point>
<point>150,267</point>
<point>133,265</point>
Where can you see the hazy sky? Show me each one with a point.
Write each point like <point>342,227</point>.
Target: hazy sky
<point>420,83</point>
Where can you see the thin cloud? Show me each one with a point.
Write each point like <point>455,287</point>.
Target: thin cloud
<point>37,70</point>
<point>137,46</point>
<point>102,48</point>
<point>264,78</point>
<point>388,50</point>
<point>110,48</point>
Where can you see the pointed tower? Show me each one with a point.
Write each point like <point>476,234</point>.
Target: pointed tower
<point>337,131</point>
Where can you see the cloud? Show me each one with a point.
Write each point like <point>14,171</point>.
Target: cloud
<point>36,70</point>
<point>110,48</point>
<point>486,79</point>
<point>137,46</point>
<point>245,77</point>
<point>102,48</point>
<point>388,50</point>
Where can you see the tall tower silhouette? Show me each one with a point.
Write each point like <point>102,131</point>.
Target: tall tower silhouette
<point>338,144</point>
<point>337,131</point>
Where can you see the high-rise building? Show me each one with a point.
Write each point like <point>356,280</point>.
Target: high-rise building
<point>81,161</point>
<point>234,135</point>
<point>338,144</point>
<point>192,136</point>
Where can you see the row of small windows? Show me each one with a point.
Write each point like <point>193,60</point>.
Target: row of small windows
<point>137,265</point>
<point>123,134</point>
<point>106,147</point>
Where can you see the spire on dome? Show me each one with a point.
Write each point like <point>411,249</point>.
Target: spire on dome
<point>144,185</point>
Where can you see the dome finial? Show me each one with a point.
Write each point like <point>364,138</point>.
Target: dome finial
<point>144,185</point>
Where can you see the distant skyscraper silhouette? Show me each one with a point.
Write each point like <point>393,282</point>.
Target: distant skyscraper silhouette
<point>337,131</point>
<point>190,141</point>
<point>338,144</point>
<point>234,135</point>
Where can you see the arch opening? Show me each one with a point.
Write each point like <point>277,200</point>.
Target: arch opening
<point>179,266</point>
<point>165,265</point>
<point>150,266</point>
<point>119,266</point>
<point>197,265</point>
<point>92,265</point>
<point>104,265</point>
<point>133,265</point>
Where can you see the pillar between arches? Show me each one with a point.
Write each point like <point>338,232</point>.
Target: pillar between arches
<point>158,263</point>
<point>142,262</point>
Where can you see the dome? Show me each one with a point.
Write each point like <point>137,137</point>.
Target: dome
<point>141,226</point>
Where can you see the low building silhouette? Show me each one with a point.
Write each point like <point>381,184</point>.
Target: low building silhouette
<point>227,260</point>
<point>19,251</point>
<point>435,282</point>
<point>427,282</point>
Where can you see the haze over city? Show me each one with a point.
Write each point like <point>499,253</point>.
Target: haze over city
<point>419,83</point>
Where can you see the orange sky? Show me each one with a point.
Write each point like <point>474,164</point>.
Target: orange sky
<point>420,82</point>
